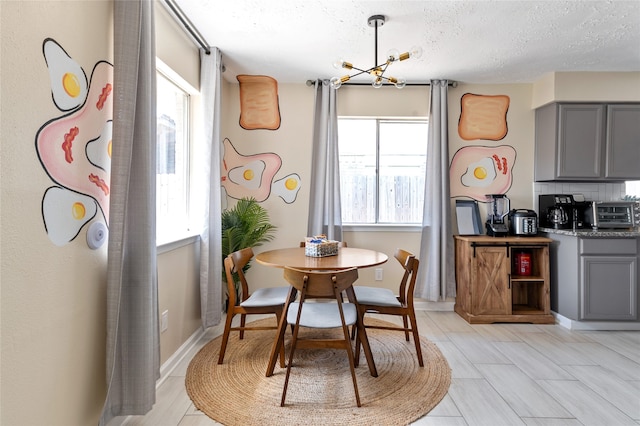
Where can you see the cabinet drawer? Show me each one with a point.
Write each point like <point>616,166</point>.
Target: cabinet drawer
<point>608,246</point>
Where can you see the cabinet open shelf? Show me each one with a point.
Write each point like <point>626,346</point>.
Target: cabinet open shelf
<point>515,278</point>
<point>529,296</point>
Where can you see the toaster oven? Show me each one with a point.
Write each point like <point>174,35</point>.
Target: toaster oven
<point>612,214</point>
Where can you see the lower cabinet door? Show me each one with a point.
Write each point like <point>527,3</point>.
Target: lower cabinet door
<point>608,288</point>
<point>490,278</point>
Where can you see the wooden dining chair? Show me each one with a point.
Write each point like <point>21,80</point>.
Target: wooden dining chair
<point>383,301</point>
<point>333,314</point>
<point>261,301</point>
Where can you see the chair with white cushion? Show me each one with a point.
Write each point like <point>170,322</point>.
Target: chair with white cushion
<point>384,301</point>
<point>326,314</point>
<point>261,301</point>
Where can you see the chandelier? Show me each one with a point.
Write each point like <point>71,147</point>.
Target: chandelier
<point>376,71</point>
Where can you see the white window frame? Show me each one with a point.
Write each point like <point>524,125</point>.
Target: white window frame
<point>183,232</point>
<point>383,226</point>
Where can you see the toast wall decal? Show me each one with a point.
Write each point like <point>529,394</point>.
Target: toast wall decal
<point>259,107</point>
<point>483,117</point>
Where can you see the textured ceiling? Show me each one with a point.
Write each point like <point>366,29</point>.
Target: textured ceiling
<point>466,41</point>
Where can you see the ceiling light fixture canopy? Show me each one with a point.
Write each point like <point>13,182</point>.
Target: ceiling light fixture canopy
<point>377,71</point>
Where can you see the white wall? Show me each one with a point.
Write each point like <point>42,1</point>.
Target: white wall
<point>53,303</point>
<point>520,135</point>
<point>53,298</point>
<point>586,87</point>
<point>292,142</point>
<point>179,268</point>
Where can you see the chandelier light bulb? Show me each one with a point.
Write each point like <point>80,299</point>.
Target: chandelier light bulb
<point>415,52</point>
<point>337,64</point>
<point>335,82</point>
<point>377,83</point>
<point>400,83</point>
<point>393,55</point>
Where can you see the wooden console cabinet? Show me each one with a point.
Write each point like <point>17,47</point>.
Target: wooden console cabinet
<point>488,288</point>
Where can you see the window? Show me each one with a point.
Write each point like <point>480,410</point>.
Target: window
<point>382,169</point>
<point>172,159</point>
<point>633,188</point>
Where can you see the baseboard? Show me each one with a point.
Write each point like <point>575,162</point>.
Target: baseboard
<point>166,369</point>
<point>596,325</point>
<point>170,364</point>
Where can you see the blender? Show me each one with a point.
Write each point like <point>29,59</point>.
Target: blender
<point>498,210</point>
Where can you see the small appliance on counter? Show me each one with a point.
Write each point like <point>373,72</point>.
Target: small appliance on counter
<point>498,210</point>
<point>612,215</point>
<point>562,211</point>
<point>523,222</point>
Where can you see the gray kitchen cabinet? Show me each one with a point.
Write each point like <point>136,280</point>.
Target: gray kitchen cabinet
<point>594,278</point>
<point>587,142</point>
<point>623,142</point>
<point>608,279</point>
<point>608,290</point>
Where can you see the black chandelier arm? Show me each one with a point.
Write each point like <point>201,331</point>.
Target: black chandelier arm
<point>382,67</point>
<point>377,71</point>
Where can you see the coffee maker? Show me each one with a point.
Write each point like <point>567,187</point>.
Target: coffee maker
<point>498,210</point>
<point>559,211</point>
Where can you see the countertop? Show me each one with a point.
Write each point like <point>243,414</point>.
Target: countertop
<point>511,239</point>
<point>590,233</point>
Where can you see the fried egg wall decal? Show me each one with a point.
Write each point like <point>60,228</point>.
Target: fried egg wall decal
<point>479,170</point>
<point>248,175</point>
<point>99,150</point>
<point>61,143</point>
<point>224,204</point>
<point>68,80</point>
<point>287,188</point>
<point>481,173</point>
<point>74,149</point>
<point>65,213</point>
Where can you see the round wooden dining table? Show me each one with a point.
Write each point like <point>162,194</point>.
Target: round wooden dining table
<point>347,257</point>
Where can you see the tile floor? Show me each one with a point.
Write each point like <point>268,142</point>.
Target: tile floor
<point>502,374</point>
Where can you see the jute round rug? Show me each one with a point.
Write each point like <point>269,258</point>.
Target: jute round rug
<point>320,387</point>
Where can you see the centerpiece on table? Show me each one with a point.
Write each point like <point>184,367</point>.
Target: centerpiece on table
<point>320,246</point>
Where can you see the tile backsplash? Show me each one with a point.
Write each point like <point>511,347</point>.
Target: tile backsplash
<point>591,191</point>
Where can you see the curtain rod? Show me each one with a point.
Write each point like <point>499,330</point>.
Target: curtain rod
<point>187,25</point>
<point>451,84</point>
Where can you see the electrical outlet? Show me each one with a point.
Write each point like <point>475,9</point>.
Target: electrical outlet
<point>164,321</point>
<point>378,274</point>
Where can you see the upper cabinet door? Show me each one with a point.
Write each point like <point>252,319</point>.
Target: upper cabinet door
<point>580,141</point>
<point>623,142</point>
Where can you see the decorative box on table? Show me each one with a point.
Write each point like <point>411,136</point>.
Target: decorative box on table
<point>320,247</point>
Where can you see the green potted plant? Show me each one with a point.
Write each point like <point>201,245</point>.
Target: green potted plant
<point>244,225</point>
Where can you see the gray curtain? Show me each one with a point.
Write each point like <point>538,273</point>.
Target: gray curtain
<point>324,201</point>
<point>133,335</point>
<point>436,277</point>
<point>208,157</point>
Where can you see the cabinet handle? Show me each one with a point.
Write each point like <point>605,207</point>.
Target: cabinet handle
<point>509,282</point>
